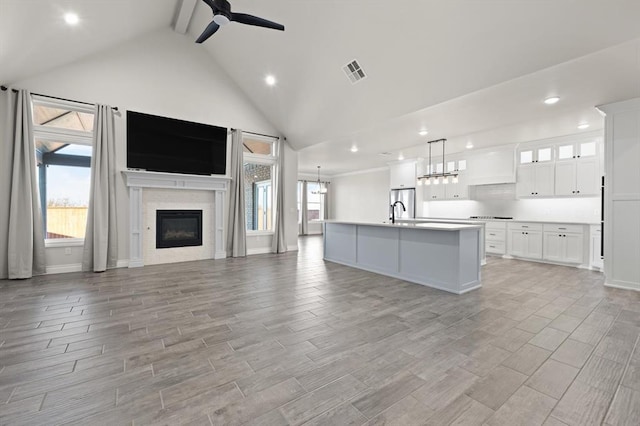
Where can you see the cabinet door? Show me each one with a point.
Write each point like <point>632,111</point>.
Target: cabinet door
<point>525,183</point>
<point>587,177</point>
<point>566,178</point>
<point>596,260</point>
<point>573,248</point>
<point>402,175</point>
<point>457,191</point>
<point>434,192</point>
<point>553,246</point>
<point>534,244</point>
<point>544,181</point>
<point>517,244</point>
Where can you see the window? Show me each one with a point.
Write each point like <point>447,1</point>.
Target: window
<point>259,164</point>
<point>63,138</point>
<point>315,201</point>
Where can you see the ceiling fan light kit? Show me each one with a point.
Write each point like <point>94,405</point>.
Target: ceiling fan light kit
<point>222,15</point>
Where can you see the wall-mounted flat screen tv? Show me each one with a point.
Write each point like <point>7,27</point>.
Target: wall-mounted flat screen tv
<point>162,144</point>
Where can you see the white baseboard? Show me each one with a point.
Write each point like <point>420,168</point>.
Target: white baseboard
<point>64,269</point>
<point>260,250</point>
<point>122,263</point>
<point>623,285</point>
<point>135,263</point>
<point>220,254</point>
<point>292,248</point>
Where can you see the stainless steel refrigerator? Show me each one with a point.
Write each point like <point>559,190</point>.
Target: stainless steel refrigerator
<point>408,198</point>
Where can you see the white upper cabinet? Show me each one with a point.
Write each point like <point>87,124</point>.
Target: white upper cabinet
<point>535,180</point>
<point>567,166</point>
<point>577,168</point>
<point>402,175</point>
<point>577,177</point>
<point>542,154</point>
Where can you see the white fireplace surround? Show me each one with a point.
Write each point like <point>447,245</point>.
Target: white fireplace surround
<point>136,180</point>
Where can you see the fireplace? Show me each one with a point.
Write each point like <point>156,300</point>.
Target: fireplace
<point>178,228</point>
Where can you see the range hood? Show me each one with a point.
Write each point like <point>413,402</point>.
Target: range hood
<point>492,166</point>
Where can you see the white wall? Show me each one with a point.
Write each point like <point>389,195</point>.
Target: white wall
<point>360,196</point>
<point>162,73</point>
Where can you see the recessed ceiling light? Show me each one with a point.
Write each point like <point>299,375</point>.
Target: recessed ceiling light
<point>423,132</point>
<point>469,145</point>
<point>583,126</point>
<point>354,149</point>
<point>71,18</point>
<point>552,100</point>
<point>270,80</point>
<point>400,157</point>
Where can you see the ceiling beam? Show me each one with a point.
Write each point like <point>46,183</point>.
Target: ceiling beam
<point>183,16</point>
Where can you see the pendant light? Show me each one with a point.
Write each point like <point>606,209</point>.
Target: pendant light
<point>322,189</point>
<point>435,175</point>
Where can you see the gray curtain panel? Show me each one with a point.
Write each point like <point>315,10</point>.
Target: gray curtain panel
<point>8,110</point>
<point>237,228</point>
<point>303,207</point>
<point>25,242</point>
<point>326,201</point>
<point>101,238</point>
<point>278,243</point>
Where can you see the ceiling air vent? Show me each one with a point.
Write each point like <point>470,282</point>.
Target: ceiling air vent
<point>354,72</point>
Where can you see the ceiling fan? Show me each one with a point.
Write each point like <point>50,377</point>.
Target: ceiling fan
<point>222,15</point>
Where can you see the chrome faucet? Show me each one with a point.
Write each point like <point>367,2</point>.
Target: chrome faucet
<point>393,210</point>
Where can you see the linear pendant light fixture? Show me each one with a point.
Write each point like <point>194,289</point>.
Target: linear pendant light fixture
<point>431,174</point>
<point>322,189</point>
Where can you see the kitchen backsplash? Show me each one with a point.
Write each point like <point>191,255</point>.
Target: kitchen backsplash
<point>550,209</point>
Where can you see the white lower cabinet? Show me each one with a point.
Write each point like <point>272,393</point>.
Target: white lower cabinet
<point>563,248</point>
<point>563,243</point>
<point>525,240</point>
<point>495,237</point>
<point>595,260</point>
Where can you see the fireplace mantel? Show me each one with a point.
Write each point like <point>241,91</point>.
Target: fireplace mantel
<point>136,180</point>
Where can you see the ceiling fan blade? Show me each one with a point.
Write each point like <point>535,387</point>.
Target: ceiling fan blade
<point>211,5</point>
<point>243,18</point>
<point>208,32</point>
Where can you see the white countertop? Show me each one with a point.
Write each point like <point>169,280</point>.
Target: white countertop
<point>438,226</point>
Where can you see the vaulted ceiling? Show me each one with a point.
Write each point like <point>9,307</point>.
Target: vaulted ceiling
<point>467,70</point>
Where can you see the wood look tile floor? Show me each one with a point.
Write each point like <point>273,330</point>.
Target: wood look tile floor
<point>291,339</point>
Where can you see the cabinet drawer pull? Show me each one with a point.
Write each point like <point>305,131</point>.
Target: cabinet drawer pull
<point>562,228</point>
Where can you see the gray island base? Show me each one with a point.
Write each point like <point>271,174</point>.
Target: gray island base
<point>445,256</point>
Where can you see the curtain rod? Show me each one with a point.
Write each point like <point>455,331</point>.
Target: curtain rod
<point>5,88</point>
<point>258,134</point>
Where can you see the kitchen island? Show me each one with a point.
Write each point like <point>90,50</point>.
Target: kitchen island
<point>445,256</point>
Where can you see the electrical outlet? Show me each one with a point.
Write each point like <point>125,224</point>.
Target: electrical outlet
<point>67,251</point>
